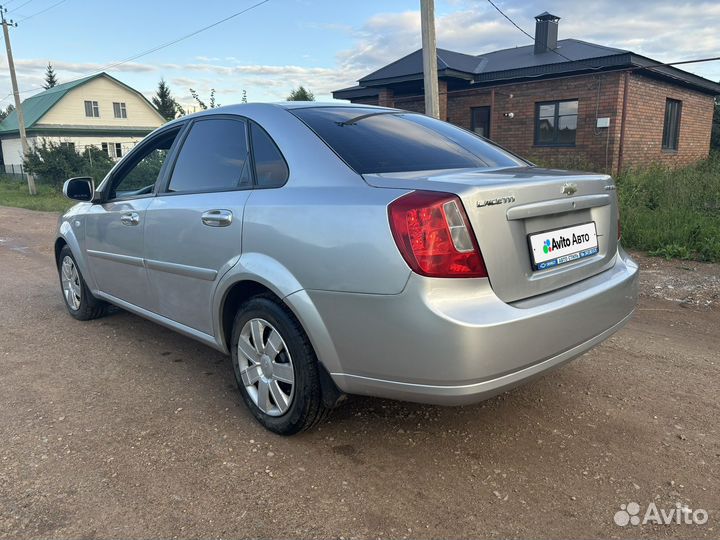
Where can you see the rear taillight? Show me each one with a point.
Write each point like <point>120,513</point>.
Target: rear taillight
<point>434,236</point>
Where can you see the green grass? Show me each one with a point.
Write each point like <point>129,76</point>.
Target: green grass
<point>48,199</point>
<point>673,213</point>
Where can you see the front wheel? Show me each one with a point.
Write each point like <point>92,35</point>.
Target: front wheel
<point>275,367</point>
<point>79,301</point>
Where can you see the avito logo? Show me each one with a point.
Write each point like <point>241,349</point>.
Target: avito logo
<point>562,242</point>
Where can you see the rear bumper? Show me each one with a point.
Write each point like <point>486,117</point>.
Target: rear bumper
<point>454,342</point>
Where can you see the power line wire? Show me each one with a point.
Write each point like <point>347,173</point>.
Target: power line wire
<point>500,11</point>
<point>636,68</point>
<point>154,49</point>
<point>183,38</point>
<point>21,5</point>
<point>42,10</point>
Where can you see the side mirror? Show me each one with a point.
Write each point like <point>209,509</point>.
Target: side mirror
<point>81,188</point>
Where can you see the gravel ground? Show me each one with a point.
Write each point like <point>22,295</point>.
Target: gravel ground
<point>688,282</point>
<point>119,428</point>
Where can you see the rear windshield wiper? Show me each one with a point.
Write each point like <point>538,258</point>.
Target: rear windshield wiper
<point>356,119</point>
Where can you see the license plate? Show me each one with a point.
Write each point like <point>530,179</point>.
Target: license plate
<point>553,248</point>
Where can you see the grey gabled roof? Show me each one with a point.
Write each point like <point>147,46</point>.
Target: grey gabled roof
<point>571,55</point>
<point>567,50</point>
<point>412,65</point>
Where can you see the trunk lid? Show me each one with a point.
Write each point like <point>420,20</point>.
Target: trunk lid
<point>505,206</point>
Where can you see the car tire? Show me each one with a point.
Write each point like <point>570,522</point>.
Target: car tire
<point>79,301</point>
<point>263,372</point>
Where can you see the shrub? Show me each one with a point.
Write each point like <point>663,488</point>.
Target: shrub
<point>673,213</point>
<point>53,163</point>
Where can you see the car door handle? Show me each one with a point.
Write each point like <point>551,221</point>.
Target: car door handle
<point>131,218</point>
<point>217,218</point>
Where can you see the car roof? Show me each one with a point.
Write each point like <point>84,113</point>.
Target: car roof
<point>318,104</point>
<point>247,109</point>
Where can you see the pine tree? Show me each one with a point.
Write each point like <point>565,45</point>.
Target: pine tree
<point>301,94</point>
<point>164,102</point>
<point>4,113</point>
<point>50,77</point>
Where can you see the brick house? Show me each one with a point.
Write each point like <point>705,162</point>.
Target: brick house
<point>567,102</point>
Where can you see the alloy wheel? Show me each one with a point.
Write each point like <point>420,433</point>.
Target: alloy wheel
<point>266,368</point>
<point>70,277</point>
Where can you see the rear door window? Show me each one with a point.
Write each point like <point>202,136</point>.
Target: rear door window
<point>214,157</point>
<point>384,141</point>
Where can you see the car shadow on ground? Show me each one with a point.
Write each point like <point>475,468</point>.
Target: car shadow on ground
<point>516,409</point>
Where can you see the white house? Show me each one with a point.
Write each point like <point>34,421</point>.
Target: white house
<point>95,111</point>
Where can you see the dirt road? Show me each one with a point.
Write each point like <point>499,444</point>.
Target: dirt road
<point>120,428</point>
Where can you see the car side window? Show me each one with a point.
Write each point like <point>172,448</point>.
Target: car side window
<point>271,170</point>
<point>142,168</point>
<point>214,157</point>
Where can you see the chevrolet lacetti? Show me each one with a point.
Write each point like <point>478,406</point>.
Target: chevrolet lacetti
<point>346,249</point>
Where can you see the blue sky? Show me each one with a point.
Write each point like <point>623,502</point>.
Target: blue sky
<point>324,45</point>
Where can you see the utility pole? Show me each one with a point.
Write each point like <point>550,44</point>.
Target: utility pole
<point>16,93</point>
<point>427,18</point>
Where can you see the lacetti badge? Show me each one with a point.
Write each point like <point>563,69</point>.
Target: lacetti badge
<point>497,200</point>
<point>569,189</point>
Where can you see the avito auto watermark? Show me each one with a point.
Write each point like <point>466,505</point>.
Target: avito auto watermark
<point>630,514</point>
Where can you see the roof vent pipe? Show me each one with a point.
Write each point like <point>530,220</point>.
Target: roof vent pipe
<point>546,32</point>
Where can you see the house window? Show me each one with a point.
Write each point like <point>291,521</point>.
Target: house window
<point>105,148</point>
<point>481,121</point>
<point>92,109</point>
<point>120,110</point>
<point>70,145</point>
<point>556,123</point>
<point>118,150</point>
<point>671,128</point>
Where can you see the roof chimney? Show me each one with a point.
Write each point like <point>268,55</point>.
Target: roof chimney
<point>546,32</point>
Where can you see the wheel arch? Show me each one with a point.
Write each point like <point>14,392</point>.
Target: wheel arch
<point>255,274</point>
<point>59,244</point>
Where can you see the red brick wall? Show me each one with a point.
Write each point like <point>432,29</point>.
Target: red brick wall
<point>646,116</point>
<point>594,148</point>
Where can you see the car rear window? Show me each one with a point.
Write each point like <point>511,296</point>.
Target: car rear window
<point>383,141</point>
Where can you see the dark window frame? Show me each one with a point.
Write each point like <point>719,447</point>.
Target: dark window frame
<point>473,124</point>
<point>556,128</point>
<point>671,125</point>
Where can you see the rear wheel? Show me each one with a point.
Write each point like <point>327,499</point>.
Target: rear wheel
<point>275,367</point>
<point>79,301</point>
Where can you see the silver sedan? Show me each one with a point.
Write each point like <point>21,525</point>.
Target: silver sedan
<point>346,249</point>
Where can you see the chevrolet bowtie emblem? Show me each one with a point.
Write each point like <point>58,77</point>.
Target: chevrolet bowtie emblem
<point>569,189</point>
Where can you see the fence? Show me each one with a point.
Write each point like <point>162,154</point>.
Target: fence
<point>15,172</point>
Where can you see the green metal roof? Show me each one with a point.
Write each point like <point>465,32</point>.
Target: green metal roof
<point>36,106</point>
